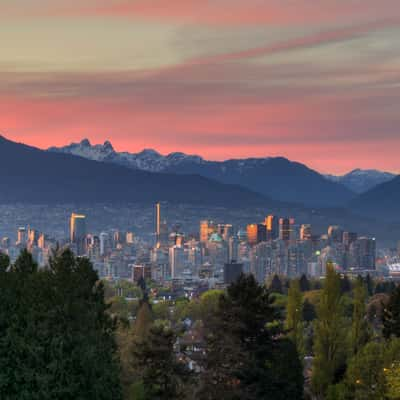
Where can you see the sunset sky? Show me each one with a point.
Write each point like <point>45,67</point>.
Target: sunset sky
<point>315,81</point>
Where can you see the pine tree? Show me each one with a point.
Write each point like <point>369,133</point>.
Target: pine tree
<point>294,316</point>
<point>304,283</point>
<point>161,374</point>
<point>59,343</point>
<point>276,285</point>
<point>241,353</point>
<point>329,341</point>
<point>4,262</point>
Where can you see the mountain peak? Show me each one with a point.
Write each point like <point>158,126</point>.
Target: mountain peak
<point>85,143</point>
<point>107,145</point>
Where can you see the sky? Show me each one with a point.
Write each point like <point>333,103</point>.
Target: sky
<point>315,81</point>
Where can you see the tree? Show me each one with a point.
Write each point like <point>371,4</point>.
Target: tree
<point>143,323</point>
<point>309,313</point>
<point>276,285</point>
<point>345,285</point>
<point>4,262</point>
<point>365,378</point>
<point>304,283</point>
<point>360,333</point>
<point>391,315</point>
<point>59,342</point>
<point>241,353</point>
<point>329,341</point>
<point>294,316</point>
<point>161,375</point>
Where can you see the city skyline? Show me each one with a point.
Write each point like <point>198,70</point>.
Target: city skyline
<point>310,82</point>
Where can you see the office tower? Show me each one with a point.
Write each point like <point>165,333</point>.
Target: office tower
<point>5,243</point>
<point>232,271</point>
<point>176,261</point>
<point>225,231</point>
<point>207,228</point>
<point>22,236</point>
<point>104,243</point>
<point>285,228</point>
<point>363,253</point>
<point>349,238</point>
<point>272,224</point>
<point>130,237</point>
<point>256,233</point>
<point>78,232</point>
<point>233,244</point>
<point>335,234</point>
<point>163,235</point>
<point>158,223</point>
<point>305,232</point>
<point>398,248</point>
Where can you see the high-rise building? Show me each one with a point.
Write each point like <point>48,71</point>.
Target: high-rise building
<point>363,253</point>
<point>22,236</point>
<point>207,228</point>
<point>305,232</point>
<point>78,232</point>
<point>176,261</point>
<point>232,271</point>
<point>256,233</point>
<point>349,238</point>
<point>158,223</point>
<point>272,225</point>
<point>335,234</point>
<point>285,229</point>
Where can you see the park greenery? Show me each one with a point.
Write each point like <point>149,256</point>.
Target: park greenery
<point>66,335</point>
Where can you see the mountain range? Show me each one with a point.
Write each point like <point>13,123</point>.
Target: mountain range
<point>362,180</point>
<point>28,174</point>
<point>275,177</point>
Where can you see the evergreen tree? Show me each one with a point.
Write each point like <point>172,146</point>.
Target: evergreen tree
<point>309,313</point>
<point>4,262</point>
<point>241,353</point>
<point>304,283</point>
<point>276,285</point>
<point>369,284</point>
<point>59,342</point>
<point>294,316</point>
<point>345,285</point>
<point>161,375</point>
<point>329,341</point>
<point>391,315</point>
<point>360,330</point>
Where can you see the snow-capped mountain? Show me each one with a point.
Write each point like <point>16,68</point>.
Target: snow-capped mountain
<point>362,180</point>
<point>146,160</point>
<point>275,177</point>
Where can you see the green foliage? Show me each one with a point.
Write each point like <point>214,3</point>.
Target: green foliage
<point>360,332</point>
<point>4,262</point>
<point>305,285</point>
<point>365,377</point>
<point>56,337</point>
<point>393,381</point>
<point>242,356</point>
<point>276,285</point>
<point>161,374</point>
<point>143,323</point>
<point>330,334</point>
<point>391,315</point>
<point>294,316</point>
